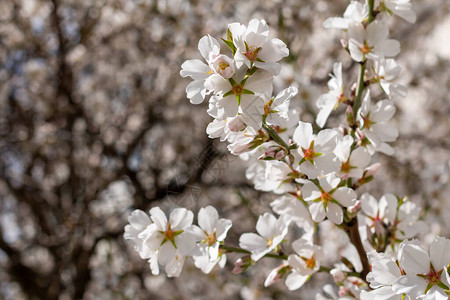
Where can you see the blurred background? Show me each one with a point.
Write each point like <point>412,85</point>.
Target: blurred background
<point>94,123</point>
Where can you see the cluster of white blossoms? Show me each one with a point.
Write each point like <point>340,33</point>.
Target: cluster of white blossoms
<point>168,242</point>
<point>316,175</point>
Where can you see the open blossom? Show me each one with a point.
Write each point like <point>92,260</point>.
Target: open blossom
<point>326,200</point>
<point>210,234</point>
<point>271,232</point>
<point>242,96</point>
<point>212,230</point>
<point>329,101</point>
<point>402,218</point>
<point>383,274</point>
<point>294,211</point>
<point>254,47</point>
<point>139,221</point>
<point>277,110</point>
<point>316,152</point>
<point>371,42</point>
<point>173,240</point>
<point>199,71</point>
<point>373,123</point>
<point>304,263</point>
<point>401,8</point>
<point>355,12</point>
<point>352,162</point>
<point>426,273</point>
<point>386,70</point>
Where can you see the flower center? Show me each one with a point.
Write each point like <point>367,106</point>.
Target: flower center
<point>223,65</point>
<point>237,89</point>
<point>311,263</point>
<point>211,239</point>
<point>433,277</point>
<point>252,53</point>
<point>269,242</point>
<point>308,154</point>
<point>345,167</point>
<point>367,122</point>
<point>169,234</point>
<point>325,197</point>
<point>365,49</point>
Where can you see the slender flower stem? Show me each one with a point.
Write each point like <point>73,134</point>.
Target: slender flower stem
<point>359,89</point>
<point>239,250</point>
<point>371,15</point>
<point>362,68</point>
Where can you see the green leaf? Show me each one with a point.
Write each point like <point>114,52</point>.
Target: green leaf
<point>229,35</point>
<point>230,45</point>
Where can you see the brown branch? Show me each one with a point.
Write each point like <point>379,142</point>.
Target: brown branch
<point>355,239</point>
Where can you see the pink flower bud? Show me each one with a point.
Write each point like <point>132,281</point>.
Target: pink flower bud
<point>343,291</point>
<point>344,43</point>
<point>338,275</point>
<point>242,264</point>
<point>354,208</point>
<point>276,274</point>
<point>372,170</point>
<point>280,155</point>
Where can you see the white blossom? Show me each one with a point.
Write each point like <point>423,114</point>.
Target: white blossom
<point>352,162</point>
<point>330,101</point>
<point>371,42</point>
<point>424,271</point>
<point>326,199</point>
<point>355,12</point>
<point>373,123</point>
<point>271,232</point>
<point>304,263</point>
<point>401,8</point>
<point>316,152</point>
<point>254,47</point>
<point>200,72</point>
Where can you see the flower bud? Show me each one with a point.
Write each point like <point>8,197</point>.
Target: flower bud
<point>280,155</point>
<point>343,291</point>
<point>372,170</point>
<point>242,264</point>
<point>338,275</point>
<point>354,208</point>
<point>277,274</point>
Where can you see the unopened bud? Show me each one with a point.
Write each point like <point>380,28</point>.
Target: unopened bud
<point>277,274</point>
<point>280,155</point>
<point>343,291</point>
<point>338,275</point>
<point>242,264</point>
<point>354,208</point>
<point>372,170</point>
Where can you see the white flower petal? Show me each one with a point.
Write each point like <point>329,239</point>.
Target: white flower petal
<point>334,213</point>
